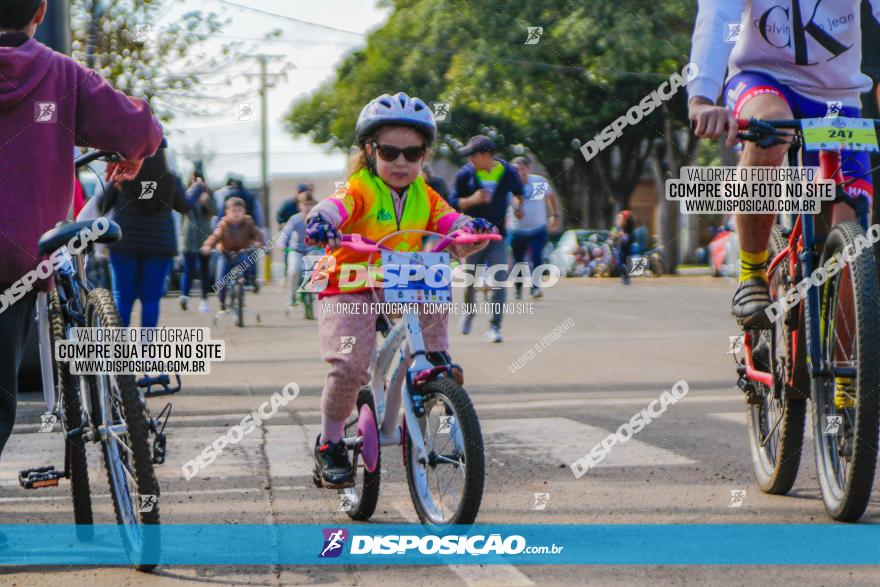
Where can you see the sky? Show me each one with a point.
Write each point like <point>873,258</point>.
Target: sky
<point>313,49</point>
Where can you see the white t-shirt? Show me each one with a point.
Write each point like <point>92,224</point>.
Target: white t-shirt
<point>812,46</point>
<point>534,206</point>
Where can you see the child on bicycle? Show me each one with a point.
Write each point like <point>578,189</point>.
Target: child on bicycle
<point>235,232</point>
<point>384,194</point>
<point>294,239</point>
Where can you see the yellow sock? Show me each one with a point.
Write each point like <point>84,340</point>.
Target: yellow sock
<point>844,393</point>
<point>752,265</point>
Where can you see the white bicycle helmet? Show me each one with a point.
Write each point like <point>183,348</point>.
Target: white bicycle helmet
<point>398,109</point>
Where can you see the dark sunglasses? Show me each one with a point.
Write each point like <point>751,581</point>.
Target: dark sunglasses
<point>390,153</point>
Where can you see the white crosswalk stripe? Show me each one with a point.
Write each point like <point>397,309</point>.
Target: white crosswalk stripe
<point>288,448</point>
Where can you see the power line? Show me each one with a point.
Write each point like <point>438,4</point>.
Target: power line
<point>290,42</point>
<point>290,18</point>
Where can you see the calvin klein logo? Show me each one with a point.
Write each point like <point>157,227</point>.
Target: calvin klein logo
<point>783,27</point>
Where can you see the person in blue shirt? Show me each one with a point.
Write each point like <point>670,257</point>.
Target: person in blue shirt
<point>528,234</point>
<point>294,239</point>
<point>290,206</point>
<point>484,187</point>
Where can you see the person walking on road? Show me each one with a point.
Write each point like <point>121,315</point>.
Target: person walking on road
<point>624,230</point>
<point>484,188</point>
<point>196,226</point>
<point>529,233</point>
<point>142,259</point>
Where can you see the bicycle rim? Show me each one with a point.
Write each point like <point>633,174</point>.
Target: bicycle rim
<point>439,484</point>
<point>123,480</point>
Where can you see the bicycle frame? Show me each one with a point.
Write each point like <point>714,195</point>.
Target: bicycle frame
<point>801,249</point>
<point>405,341</point>
<point>73,287</point>
<point>406,335</point>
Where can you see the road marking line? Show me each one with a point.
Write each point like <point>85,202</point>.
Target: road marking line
<point>561,403</point>
<point>507,575</point>
<point>566,440</point>
<point>231,490</point>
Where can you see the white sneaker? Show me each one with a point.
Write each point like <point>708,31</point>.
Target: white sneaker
<point>183,301</point>
<point>466,324</point>
<point>493,334</point>
<point>204,307</point>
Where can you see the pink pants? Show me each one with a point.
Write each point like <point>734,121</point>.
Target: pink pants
<point>347,331</point>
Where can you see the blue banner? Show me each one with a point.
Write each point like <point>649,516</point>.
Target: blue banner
<point>203,544</point>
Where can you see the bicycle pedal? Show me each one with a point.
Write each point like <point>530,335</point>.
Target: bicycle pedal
<point>39,477</point>
<point>163,380</point>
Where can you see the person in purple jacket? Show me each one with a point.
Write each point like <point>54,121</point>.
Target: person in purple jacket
<point>48,104</point>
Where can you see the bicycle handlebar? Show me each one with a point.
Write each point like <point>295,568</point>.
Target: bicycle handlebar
<point>747,123</point>
<point>110,156</point>
<point>767,133</point>
<point>361,244</point>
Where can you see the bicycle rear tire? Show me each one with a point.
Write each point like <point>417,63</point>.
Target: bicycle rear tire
<point>776,466</point>
<point>73,417</point>
<point>369,483</point>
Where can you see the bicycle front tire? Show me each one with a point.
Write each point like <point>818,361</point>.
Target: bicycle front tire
<point>127,405</point>
<point>472,457</point>
<point>846,491</point>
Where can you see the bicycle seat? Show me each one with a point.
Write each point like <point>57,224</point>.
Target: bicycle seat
<point>62,234</point>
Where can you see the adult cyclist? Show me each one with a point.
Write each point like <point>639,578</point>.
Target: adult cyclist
<point>791,59</point>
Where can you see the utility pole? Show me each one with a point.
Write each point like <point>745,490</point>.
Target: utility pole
<point>264,159</point>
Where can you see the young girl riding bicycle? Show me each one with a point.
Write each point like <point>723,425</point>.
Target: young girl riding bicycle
<point>384,194</point>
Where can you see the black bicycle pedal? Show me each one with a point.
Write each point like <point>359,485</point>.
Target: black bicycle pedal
<point>46,476</point>
<point>163,381</point>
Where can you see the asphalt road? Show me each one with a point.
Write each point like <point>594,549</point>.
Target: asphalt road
<point>625,346</point>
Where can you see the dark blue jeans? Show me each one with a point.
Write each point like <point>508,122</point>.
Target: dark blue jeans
<point>195,261</point>
<point>532,242</point>
<point>137,276</point>
<point>15,322</point>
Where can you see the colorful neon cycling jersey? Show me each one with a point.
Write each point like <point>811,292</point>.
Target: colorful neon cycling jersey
<point>366,206</point>
<point>811,46</point>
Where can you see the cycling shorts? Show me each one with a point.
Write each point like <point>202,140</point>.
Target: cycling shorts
<point>855,165</point>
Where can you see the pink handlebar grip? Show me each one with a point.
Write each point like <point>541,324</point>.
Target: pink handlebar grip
<point>468,238</point>
<point>358,243</point>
